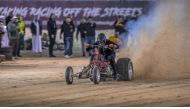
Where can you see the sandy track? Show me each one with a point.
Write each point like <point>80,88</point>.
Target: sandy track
<point>28,82</point>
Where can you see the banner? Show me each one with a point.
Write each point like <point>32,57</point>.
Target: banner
<point>103,12</point>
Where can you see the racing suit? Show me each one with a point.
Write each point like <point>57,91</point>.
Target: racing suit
<point>109,54</point>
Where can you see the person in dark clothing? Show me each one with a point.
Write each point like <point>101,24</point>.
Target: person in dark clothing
<point>135,16</point>
<point>9,17</point>
<point>52,31</point>
<point>81,28</point>
<point>119,25</point>
<point>109,54</point>
<point>68,28</point>
<point>13,31</point>
<point>2,32</point>
<point>90,32</point>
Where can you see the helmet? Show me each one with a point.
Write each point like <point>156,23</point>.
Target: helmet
<point>101,37</point>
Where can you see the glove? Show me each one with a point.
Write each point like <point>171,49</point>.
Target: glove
<point>111,46</point>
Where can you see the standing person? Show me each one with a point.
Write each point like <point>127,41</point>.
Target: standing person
<point>3,32</point>
<point>81,28</point>
<point>67,29</point>
<point>90,32</point>
<point>13,31</point>
<point>119,25</point>
<point>52,31</point>
<point>36,29</point>
<point>9,17</point>
<point>21,34</point>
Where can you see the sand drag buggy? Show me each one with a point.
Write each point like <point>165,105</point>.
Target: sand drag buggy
<point>99,69</point>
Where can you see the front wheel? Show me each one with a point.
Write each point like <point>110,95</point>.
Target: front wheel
<point>96,75</point>
<point>69,75</point>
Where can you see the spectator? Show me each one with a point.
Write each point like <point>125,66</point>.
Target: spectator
<point>9,17</point>
<point>90,32</point>
<point>13,31</point>
<point>135,16</point>
<point>68,28</point>
<point>126,20</point>
<point>119,25</point>
<point>81,28</point>
<point>3,32</point>
<point>21,34</point>
<point>36,29</point>
<point>52,31</point>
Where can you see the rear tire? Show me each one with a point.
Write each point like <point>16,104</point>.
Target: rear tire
<point>96,75</point>
<point>125,69</point>
<point>69,75</point>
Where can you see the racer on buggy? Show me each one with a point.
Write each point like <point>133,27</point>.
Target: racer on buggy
<point>108,53</point>
<point>102,64</point>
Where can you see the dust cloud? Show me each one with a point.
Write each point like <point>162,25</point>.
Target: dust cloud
<point>160,43</point>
